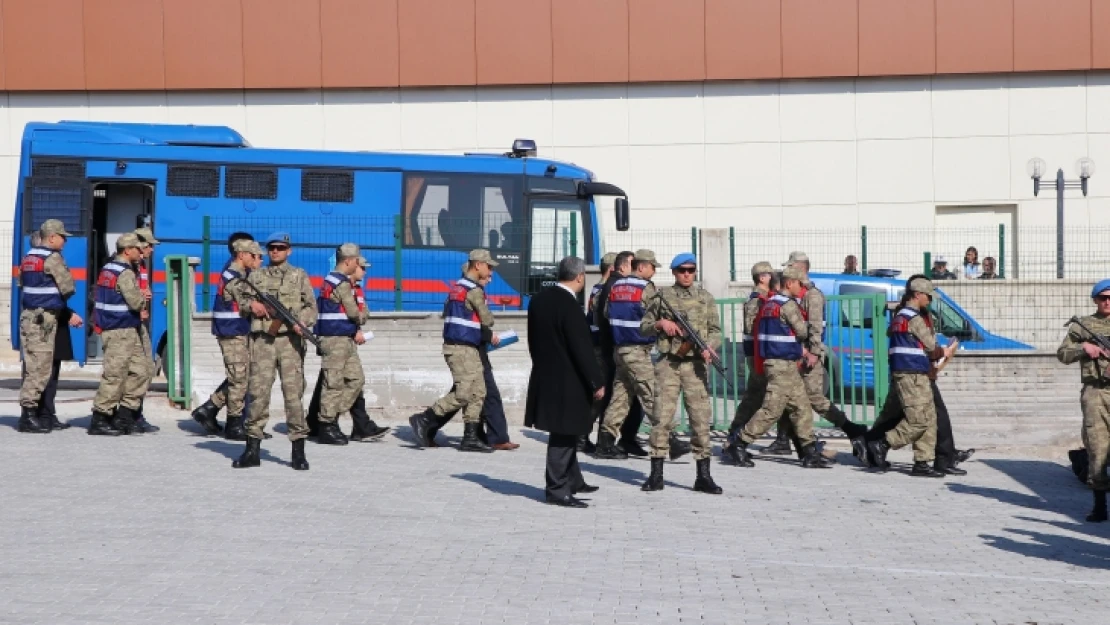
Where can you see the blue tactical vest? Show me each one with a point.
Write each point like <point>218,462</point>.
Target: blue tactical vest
<point>775,340</point>
<point>749,340</point>
<point>226,319</point>
<point>626,309</point>
<point>333,320</point>
<point>595,332</point>
<point>907,354</point>
<point>39,289</point>
<point>112,312</point>
<point>461,326</point>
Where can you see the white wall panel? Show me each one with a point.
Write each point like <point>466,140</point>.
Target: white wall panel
<point>42,107</point>
<point>819,172</point>
<point>970,106</point>
<point>362,120</point>
<point>745,174</point>
<point>439,119</point>
<point>1043,104</point>
<point>285,119</point>
<point>209,108</point>
<point>670,176</point>
<point>1058,151</point>
<point>818,110</point>
<point>744,217</point>
<point>738,112</point>
<point>666,114</point>
<point>507,114</point>
<point>608,163</point>
<point>971,170</point>
<point>590,115</point>
<point>145,108</point>
<point>885,215</point>
<point>1098,102</point>
<point>894,108</point>
<point>895,171</point>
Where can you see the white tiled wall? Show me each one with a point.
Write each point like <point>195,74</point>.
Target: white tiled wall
<point>881,152</point>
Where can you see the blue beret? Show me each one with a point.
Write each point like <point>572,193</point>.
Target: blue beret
<point>1104,285</point>
<point>685,258</point>
<point>279,237</point>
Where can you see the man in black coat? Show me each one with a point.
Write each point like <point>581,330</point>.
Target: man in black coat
<point>564,382</point>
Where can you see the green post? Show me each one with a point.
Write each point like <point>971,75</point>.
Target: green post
<point>1001,250</point>
<point>398,238</point>
<point>881,343</point>
<point>573,237</point>
<point>863,250</point>
<point>732,253</point>
<point>206,286</point>
<point>178,336</point>
<point>694,246</point>
<point>928,262</point>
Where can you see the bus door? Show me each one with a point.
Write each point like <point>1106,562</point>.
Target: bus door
<point>558,229</point>
<point>68,200</point>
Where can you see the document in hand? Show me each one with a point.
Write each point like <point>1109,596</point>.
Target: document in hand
<point>507,338</point>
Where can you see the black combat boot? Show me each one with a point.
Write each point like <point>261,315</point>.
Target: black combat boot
<point>31,423</point>
<point>235,430</point>
<point>101,425</point>
<point>422,424</point>
<point>655,480</point>
<point>677,447</point>
<point>812,459</point>
<point>878,449</point>
<point>299,462</point>
<point>205,415</point>
<point>1098,513</point>
<point>923,469</point>
<point>55,424</point>
<point>249,458</point>
<point>947,467</point>
<point>142,426</point>
<point>632,447</point>
<point>364,429</point>
<point>859,450</point>
<point>781,446</point>
<point>705,483</point>
<point>607,450</point>
<point>124,421</point>
<point>738,453</point>
<point>330,434</point>
<point>470,440</point>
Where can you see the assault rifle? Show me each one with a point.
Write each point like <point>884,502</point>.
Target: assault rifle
<point>284,317</point>
<point>1098,340</point>
<point>694,341</point>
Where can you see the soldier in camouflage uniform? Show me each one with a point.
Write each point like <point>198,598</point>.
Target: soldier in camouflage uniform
<point>635,375</point>
<point>781,336</point>
<point>278,349</point>
<point>45,285</point>
<point>120,305</point>
<point>681,370</point>
<point>339,328</point>
<point>913,348</point>
<point>465,313</point>
<point>231,325</point>
<point>1078,346</point>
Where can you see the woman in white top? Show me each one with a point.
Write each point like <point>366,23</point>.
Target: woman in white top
<point>971,269</point>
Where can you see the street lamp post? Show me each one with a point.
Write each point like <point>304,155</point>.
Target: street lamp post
<point>1084,168</point>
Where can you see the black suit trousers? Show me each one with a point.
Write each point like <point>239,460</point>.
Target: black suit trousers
<point>563,476</point>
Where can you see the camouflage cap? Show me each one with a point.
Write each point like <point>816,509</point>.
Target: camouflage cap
<point>347,250</point>
<point>762,267</point>
<point>921,285</point>
<point>146,235</point>
<point>247,245</point>
<point>793,273</point>
<point>796,257</point>
<point>128,240</point>
<point>482,256</point>
<point>646,256</point>
<point>53,226</point>
<point>362,262</point>
<point>609,259</point>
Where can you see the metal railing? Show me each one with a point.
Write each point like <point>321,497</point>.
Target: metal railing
<point>179,310</point>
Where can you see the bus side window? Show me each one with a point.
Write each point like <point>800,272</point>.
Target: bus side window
<point>461,211</point>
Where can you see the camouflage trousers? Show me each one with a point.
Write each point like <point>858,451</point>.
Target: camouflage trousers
<point>237,362</point>
<point>635,379</point>
<point>343,378</point>
<point>1095,402</point>
<point>468,390</point>
<point>37,339</point>
<point>281,355</point>
<point>752,399</point>
<point>919,428</point>
<point>691,379</point>
<point>786,391</point>
<point>127,370</point>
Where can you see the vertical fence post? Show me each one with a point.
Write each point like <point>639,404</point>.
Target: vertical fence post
<point>879,347</point>
<point>398,238</point>
<point>573,237</point>
<point>732,254</point>
<point>863,249</point>
<point>694,246</point>
<point>928,262</point>
<point>206,286</point>
<point>1001,250</point>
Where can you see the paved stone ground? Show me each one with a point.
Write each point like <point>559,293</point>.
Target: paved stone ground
<point>160,529</point>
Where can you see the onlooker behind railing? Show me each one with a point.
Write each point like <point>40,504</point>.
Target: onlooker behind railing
<point>971,268</point>
<point>850,266</point>
<point>940,269</point>
<point>988,272</point>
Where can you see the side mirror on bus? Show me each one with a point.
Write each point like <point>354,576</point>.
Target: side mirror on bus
<point>620,208</point>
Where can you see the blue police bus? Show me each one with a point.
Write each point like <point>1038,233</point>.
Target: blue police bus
<point>196,185</point>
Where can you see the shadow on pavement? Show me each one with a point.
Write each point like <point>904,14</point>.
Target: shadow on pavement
<point>632,477</point>
<point>535,435</point>
<point>503,487</point>
<point>232,450</point>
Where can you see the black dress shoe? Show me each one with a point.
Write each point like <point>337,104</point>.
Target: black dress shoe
<point>632,448</point>
<point>586,488</point>
<point>566,501</point>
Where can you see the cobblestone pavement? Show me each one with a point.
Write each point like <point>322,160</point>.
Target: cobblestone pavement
<point>160,529</point>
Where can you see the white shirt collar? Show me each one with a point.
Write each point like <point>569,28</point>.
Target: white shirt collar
<point>566,288</point>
